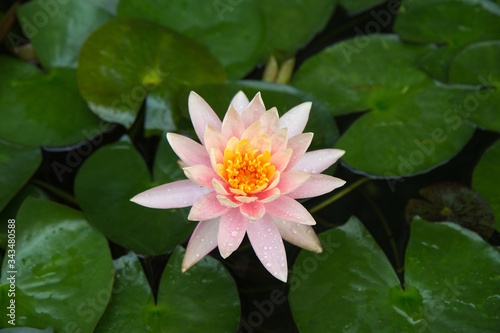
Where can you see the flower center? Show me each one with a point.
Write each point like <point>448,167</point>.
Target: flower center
<point>244,170</point>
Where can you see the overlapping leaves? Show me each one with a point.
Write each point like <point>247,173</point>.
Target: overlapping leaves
<point>451,283</point>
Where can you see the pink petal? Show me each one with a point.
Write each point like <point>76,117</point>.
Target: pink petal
<point>317,184</point>
<point>268,246</point>
<point>182,193</point>
<point>288,209</point>
<point>299,144</point>
<point>232,229</point>
<point>188,150</point>
<point>262,142</point>
<point>270,121</point>
<point>201,115</point>
<point>220,186</point>
<point>201,174</point>
<point>216,157</point>
<point>202,242</point>
<point>240,102</point>
<point>275,179</point>
<point>232,125</point>
<point>268,195</point>
<point>318,161</point>
<point>245,198</point>
<point>299,234</point>
<point>214,139</point>
<point>290,180</point>
<point>252,131</point>
<point>296,119</point>
<point>280,159</point>
<point>207,207</point>
<point>253,210</point>
<point>279,140</point>
<point>253,111</point>
<point>227,202</point>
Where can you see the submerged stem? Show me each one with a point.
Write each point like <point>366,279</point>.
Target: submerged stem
<point>338,195</point>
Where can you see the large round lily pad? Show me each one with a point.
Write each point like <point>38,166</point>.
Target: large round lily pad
<point>292,24</point>
<point>204,299</point>
<point>57,29</point>
<point>456,23</point>
<point>42,109</point>
<point>103,188</point>
<point>225,28</point>
<point>478,64</point>
<point>128,61</point>
<point>485,173</point>
<point>451,277</point>
<point>411,126</point>
<point>63,269</point>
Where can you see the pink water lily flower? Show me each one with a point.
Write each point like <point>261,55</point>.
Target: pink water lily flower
<point>244,178</point>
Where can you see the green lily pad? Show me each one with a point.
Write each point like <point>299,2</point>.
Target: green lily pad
<point>103,187</point>
<point>456,23</point>
<point>42,109</point>
<point>17,165</point>
<point>484,176</point>
<point>10,211</point>
<point>204,299</point>
<point>411,127</point>
<point>452,278</point>
<point>128,61</point>
<point>478,64</point>
<point>453,202</point>
<point>292,24</point>
<point>57,29</point>
<point>358,5</point>
<point>225,28</point>
<point>437,61</point>
<point>63,266</point>
<point>283,97</point>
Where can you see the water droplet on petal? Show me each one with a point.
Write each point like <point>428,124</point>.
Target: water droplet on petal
<point>294,230</point>
<point>230,244</point>
<point>197,254</point>
<point>234,234</point>
<point>269,264</point>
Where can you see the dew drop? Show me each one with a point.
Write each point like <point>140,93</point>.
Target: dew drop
<point>230,244</point>
<point>294,230</point>
<point>197,254</point>
<point>202,240</point>
<point>234,234</point>
<point>269,264</point>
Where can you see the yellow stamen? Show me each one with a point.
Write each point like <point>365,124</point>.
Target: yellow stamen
<point>245,171</point>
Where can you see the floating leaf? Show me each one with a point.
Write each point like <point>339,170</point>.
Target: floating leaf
<point>17,165</point>
<point>57,29</point>
<point>281,96</point>
<point>411,127</point>
<point>225,28</point>
<point>484,176</point>
<point>10,211</point>
<point>452,279</point>
<point>63,267</point>
<point>359,5</point>
<point>103,187</point>
<point>39,109</point>
<point>478,64</point>
<point>292,24</point>
<point>456,23</point>
<point>204,299</point>
<point>127,61</point>
<point>453,202</point>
